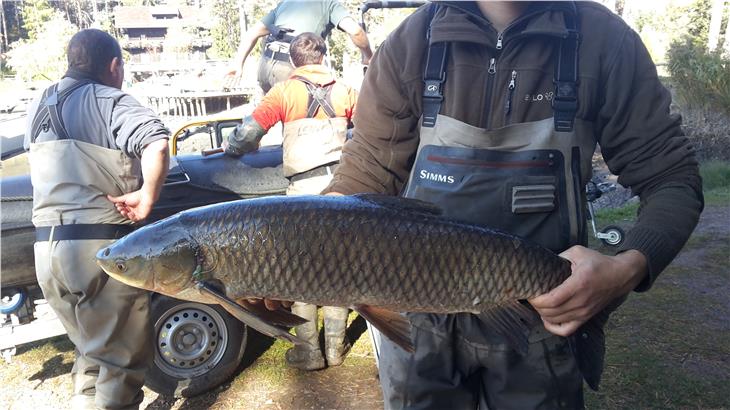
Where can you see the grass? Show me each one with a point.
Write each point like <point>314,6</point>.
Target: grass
<point>668,348</point>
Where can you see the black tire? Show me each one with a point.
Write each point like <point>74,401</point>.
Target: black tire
<point>12,300</point>
<point>197,347</point>
<point>617,235</point>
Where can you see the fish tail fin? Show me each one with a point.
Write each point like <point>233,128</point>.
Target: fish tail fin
<point>392,324</point>
<point>589,345</point>
<point>513,321</point>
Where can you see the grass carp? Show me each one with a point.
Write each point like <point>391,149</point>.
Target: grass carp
<point>378,255</point>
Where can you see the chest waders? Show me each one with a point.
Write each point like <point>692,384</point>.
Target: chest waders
<point>526,179</point>
<point>107,321</point>
<point>312,149</point>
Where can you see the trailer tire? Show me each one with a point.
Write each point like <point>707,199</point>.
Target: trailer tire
<point>617,235</point>
<point>197,347</point>
<point>12,300</point>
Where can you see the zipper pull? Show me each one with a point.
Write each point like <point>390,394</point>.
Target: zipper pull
<point>511,88</point>
<point>492,66</point>
<point>499,40</point>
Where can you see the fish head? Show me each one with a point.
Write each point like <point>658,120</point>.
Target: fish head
<point>161,261</point>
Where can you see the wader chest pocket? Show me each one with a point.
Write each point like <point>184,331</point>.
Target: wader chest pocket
<point>521,192</point>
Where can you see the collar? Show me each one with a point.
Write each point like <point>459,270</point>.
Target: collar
<point>462,21</point>
<point>81,75</point>
<point>316,73</point>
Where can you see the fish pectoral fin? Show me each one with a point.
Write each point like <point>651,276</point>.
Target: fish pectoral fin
<point>513,321</point>
<point>247,317</point>
<point>392,324</point>
<point>280,317</point>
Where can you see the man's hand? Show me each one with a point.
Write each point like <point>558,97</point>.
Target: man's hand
<point>272,304</point>
<point>596,280</point>
<point>134,206</point>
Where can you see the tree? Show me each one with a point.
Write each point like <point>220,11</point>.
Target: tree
<point>43,57</point>
<point>4,31</point>
<point>36,14</point>
<point>716,13</point>
<point>226,30</point>
<point>726,46</point>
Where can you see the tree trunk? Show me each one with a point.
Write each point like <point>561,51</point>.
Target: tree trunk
<point>713,37</point>
<point>4,32</point>
<point>726,46</point>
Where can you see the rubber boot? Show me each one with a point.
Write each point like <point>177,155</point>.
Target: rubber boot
<point>83,375</point>
<point>336,344</point>
<point>309,356</point>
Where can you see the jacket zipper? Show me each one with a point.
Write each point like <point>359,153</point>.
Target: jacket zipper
<point>490,88</point>
<point>493,67</point>
<point>510,92</point>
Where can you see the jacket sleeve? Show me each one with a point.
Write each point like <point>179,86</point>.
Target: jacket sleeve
<point>644,145</point>
<point>134,126</point>
<point>379,156</point>
<point>272,107</point>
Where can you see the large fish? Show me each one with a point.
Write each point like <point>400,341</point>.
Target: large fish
<point>378,255</point>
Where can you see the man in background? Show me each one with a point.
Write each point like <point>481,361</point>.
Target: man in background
<point>289,19</point>
<point>98,160</point>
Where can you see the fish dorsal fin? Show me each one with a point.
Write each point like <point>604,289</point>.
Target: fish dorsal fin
<point>247,317</point>
<point>401,203</point>
<point>513,321</point>
<point>393,325</point>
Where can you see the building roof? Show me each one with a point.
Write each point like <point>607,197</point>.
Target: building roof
<point>126,17</point>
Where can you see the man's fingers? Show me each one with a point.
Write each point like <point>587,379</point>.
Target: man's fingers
<point>272,304</point>
<point>562,329</point>
<point>556,297</point>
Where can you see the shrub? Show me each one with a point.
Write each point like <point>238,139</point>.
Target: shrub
<point>701,78</point>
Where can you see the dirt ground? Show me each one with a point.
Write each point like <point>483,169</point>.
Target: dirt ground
<point>38,376</point>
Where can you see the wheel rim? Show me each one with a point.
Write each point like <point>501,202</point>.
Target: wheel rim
<point>191,339</point>
<point>614,237</point>
<point>11,300</point>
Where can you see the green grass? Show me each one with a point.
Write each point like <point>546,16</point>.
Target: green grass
<point>668,348</point>
<point>715,187</point>
<point>715,175</point>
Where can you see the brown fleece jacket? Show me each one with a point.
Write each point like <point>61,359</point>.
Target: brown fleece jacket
<point>619,92</point>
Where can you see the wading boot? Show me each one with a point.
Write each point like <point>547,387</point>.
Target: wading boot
<point>306,357</point>
<point>84,376</point>
<point>335,339</point>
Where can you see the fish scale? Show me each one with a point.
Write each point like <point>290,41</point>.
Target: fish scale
<point>339,252</point>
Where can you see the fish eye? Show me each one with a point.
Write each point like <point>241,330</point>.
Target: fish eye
<point>121,266</point>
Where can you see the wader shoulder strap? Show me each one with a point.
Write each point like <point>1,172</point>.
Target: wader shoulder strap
<point>434,76</point>
<point>49,108</point>
<point>319,96</point>
<point>565,100</point>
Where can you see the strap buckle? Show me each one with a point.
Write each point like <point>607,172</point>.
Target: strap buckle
<point>432,89</point>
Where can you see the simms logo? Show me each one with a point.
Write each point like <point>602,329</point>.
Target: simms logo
<point>431,176</point>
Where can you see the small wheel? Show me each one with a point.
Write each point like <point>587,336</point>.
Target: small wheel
<point>12,300</point>
<point>615,235</point>
<point>197,347</point>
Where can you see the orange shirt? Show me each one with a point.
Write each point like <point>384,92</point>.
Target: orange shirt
<point>288,100</point>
